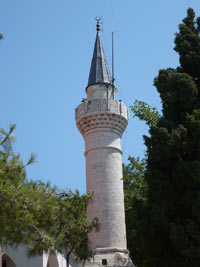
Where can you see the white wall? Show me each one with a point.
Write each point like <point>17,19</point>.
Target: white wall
<point>20,258</point>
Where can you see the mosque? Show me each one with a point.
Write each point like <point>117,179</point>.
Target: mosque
<point>101,121</point>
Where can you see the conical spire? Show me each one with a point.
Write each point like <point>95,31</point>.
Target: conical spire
<point>99,70</point>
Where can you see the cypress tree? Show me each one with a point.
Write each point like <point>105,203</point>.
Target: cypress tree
<point>166,223</point>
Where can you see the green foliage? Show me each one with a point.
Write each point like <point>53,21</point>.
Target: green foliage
<point>134,182</point>
<point>187,44</point>
<point>165,225</point>
<point>145,112</point>
<point>135,189</point>
<point>178,92</point>
<point>37,214</point>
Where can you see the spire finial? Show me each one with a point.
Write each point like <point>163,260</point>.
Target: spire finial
<point>99,21</point>
<point>99,70</point>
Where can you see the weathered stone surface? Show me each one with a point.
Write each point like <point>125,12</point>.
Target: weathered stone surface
<point>113,260</point>
<point>102,106</point>
<point>102,120</point>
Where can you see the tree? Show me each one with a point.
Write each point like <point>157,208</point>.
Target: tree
<point>37,214</point>
<point>145,112</point>
<point>166,221</point>
<point>135,188</point>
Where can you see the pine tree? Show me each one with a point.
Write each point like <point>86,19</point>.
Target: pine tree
<point>43,217</point>
<point>166,223</point>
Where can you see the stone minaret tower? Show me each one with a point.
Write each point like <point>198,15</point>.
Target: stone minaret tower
<point>102,120</point>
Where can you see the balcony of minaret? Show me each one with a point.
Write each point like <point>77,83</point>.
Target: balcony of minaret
<point>101,113</point>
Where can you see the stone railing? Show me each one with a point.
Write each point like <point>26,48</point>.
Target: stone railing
<point>101,113</point>
<point>101,106</point>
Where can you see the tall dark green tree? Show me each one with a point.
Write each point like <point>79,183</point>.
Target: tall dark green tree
<point>166,222</point>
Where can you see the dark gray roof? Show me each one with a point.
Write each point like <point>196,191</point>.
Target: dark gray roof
<point>99,70</point>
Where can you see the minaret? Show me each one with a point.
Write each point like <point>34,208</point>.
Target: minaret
<point>102,120</point>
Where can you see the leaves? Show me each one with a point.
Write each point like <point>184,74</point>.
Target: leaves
<point>187,44</point>
<point>133,178</point>
<point>145,112</point>
<point>43,217</point>
<point>163,205</point>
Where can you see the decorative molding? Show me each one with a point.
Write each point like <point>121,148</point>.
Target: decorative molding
<point>110,250</point>
<point>103,147</point>
<point>91,121</point>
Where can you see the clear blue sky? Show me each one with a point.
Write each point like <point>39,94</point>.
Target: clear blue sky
<point>45,59</point>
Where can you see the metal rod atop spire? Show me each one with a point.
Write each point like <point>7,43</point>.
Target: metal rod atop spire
<point>99,21</point>
<point>113,77</point>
